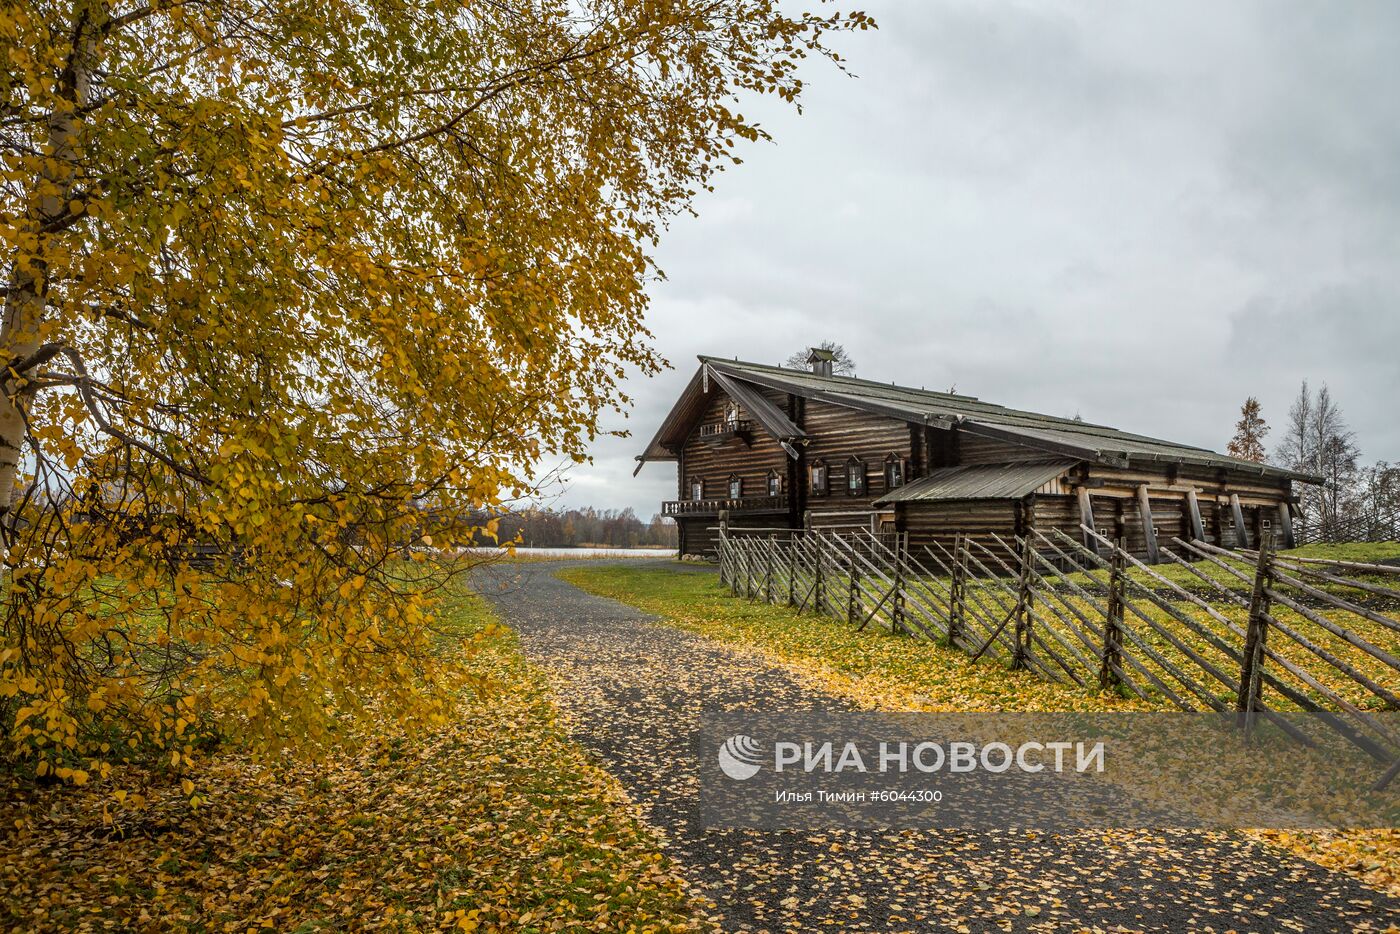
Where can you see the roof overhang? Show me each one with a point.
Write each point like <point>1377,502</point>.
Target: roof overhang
<point>690,407</point>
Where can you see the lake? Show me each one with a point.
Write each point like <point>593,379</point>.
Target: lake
<point>585,552</point>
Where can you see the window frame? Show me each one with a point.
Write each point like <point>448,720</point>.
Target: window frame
<point>734,486</point>
<point>697,489</point>
<point>852,489</point>
<point>775,483</point>
<point>818,467</point>
<point>894,462</point>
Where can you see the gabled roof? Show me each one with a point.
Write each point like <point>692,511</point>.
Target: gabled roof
<point>979,481</point>
<point>1057,437</point>
<point>688,409</point>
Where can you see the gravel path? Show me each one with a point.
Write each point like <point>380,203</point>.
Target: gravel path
<point>635,691</point>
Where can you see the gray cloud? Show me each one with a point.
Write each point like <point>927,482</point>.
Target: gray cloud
<point>1142,212</point>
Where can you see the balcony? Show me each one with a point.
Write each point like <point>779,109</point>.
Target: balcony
<point>713,507</point>
<point>729,428</point>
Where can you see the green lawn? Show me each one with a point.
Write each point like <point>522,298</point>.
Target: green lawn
<point>1167,631</point>
<point>873,665</point>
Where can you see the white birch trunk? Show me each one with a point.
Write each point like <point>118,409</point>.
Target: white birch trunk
<point>25,299</point>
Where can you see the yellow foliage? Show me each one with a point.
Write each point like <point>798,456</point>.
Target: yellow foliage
<point>293,291</point>
<point>492,821</point>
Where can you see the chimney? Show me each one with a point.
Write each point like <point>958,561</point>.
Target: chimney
<point>819,359</point>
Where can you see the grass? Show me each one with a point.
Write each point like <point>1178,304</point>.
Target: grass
<point>1159,630</point>
<point>873,665</point>
<point>495,821</point>
<point>882,671</point>
<point>1366,553</point>
<point>1363,552</point>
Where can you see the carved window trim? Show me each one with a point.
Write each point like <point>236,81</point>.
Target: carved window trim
<point>857,477</point>
<point>896,471</point>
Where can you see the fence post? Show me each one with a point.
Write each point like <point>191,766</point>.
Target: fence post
<point>734,571</point>
<point>1252,662</point>
<point>818,587</point>
<point>792,568</point>
<point>736,556</point>
<point>742,587</point>
<point>1112,655</point>
<point>853,582</point>
<point>768,571</point>
<point>897,609</point>
<point>1023,606</point>
<point>750,570</point>
<point>723,541</point>
<point>955,595</point>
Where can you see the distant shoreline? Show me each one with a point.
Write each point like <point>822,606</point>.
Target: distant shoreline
<point>577,551</point>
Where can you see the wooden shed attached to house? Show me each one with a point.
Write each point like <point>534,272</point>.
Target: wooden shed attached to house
<point>779,448</point>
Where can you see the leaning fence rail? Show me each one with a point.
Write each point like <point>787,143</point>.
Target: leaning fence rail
<point>1379,525</point>
<point>1247,632</point>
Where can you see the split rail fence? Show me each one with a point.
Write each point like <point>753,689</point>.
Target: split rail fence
<point>1377,526</point>
<point>1252,633</point>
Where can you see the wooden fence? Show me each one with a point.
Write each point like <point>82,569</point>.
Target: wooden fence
<point>1378,526</point>
<point>1252,633</point>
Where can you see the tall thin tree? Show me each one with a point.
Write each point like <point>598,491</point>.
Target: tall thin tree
<point>1319,442</point>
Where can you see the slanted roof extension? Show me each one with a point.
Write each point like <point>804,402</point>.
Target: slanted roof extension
<point>979,481</point>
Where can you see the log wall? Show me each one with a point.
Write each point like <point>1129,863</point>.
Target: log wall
<point>714,461</point>
<point>975,450</point>
<point>838,433</point>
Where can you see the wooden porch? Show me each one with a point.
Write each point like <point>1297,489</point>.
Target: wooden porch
<point>713,507</point>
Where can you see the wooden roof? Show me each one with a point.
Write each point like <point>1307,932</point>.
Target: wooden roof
<point>1057,437</point>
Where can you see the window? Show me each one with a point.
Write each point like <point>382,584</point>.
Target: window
<point>894,472</point>
<point>775,483</point>
<point>697,490</point>
<point>736,487</point>
<point>1266,523</point>
<point>855,477</point>
<point>731,414</point>
<point>818,478</point>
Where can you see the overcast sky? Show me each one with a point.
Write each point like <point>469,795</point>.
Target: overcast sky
<point>1139,212</point>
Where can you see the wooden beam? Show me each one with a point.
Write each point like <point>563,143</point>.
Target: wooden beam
<point>1086,517</point>
<point>1285,522</point>
<point>1241,531</point>
<point>796,470</point>
<point>1149,530</point>
<point>1193,509</point>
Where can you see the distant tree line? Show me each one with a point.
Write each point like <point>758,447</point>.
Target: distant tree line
<point>609,528</point>
<point>1354,500</point>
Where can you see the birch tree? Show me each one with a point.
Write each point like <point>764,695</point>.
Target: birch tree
<point>290,290</point>
<point>1318,442</point>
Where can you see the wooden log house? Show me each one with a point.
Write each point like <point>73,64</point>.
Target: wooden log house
<point>778,448</point>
